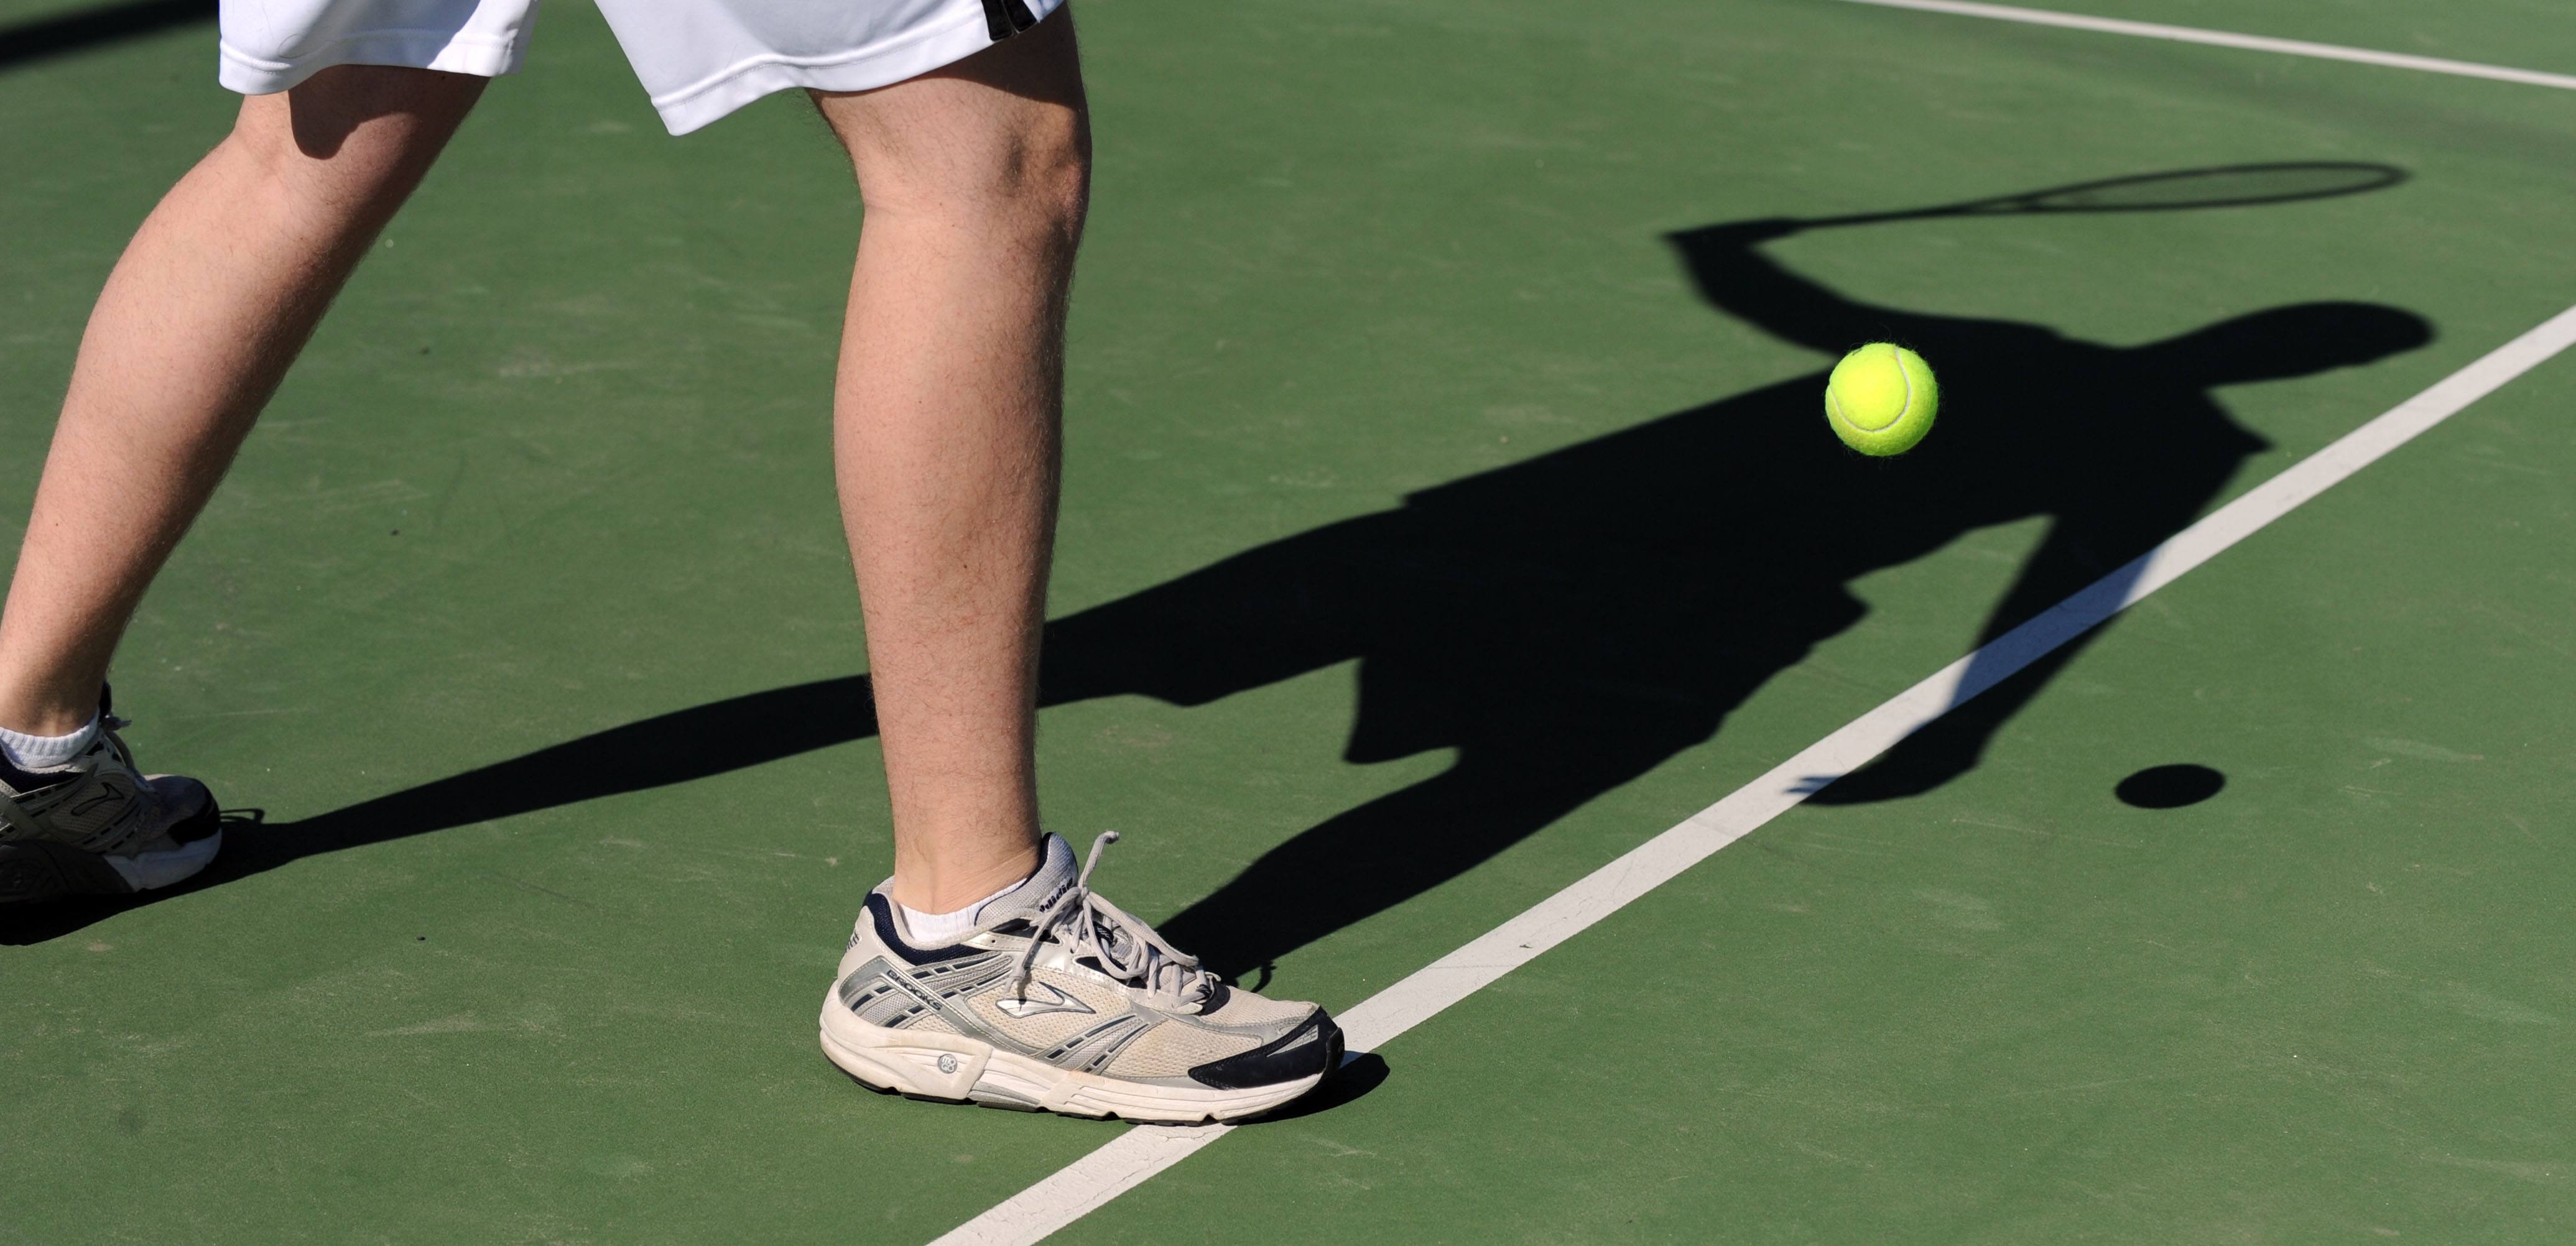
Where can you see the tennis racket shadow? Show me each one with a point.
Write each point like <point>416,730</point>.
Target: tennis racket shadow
<point>2265,184</point>
<point>1571,622</point>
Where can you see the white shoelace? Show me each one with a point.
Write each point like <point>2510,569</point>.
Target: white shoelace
<point>1125,948</point>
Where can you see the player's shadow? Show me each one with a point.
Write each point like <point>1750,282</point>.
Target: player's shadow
<point>1567,623</point>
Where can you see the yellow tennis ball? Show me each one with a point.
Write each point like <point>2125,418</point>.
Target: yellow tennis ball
<point>1881,399</point>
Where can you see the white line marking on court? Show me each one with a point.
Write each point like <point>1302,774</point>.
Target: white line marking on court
<point>1127,1160</point>
<point>2223,39</point>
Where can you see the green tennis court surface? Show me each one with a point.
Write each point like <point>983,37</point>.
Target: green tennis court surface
<point>1431,538</point>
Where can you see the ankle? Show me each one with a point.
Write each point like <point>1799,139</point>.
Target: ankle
<point>938,929</point>
<point>958,876</point>
<point>45,750</point>
<point>41,715</point>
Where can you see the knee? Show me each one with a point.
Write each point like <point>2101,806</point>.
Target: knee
<point>1027,179</point>
<point>351,136</point>
<point>1050,182</point>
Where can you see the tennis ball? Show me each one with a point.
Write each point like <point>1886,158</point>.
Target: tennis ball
<point>1880,399</point>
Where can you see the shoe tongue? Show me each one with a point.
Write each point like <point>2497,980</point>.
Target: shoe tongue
<point>1055,873</point>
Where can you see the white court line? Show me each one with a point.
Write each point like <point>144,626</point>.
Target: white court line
<point>1124,1162</point>
<point>2223,39</point>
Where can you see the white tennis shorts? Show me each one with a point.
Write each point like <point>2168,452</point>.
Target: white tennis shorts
<point>699,59</point>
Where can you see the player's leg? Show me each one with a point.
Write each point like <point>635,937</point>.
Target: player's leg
<point>1041,995</point>
<point>197,324</point>
<point>946,424</point>
<point>985,969</point>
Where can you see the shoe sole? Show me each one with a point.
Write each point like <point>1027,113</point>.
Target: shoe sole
<point>952,1068</point>
<point>39,869</point>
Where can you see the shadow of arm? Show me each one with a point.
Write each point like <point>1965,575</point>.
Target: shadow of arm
<point>1734,276</point>
<point>2078,551</point>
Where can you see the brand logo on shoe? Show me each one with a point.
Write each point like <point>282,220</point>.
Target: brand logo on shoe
<point>947,1064</point>
<point>1061,887</point>
<point>924,998</point>
<point>1312,1033</point>
<point>108,796</point>
<point>1039,1000</point>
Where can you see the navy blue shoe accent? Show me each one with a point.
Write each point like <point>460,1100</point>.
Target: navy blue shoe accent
<point>205,820</point>
<point>1312,1048</point>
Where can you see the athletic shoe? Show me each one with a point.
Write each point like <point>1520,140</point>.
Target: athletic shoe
<point>94,826</point>
<point>1060,1002</point>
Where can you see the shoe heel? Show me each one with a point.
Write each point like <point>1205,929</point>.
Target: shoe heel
<point>923,1066</point>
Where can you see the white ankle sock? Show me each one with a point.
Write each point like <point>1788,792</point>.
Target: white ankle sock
<point>942,929</point>
<point>43,752</point>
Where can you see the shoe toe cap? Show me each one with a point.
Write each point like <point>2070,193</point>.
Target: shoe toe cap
<point>183,808</point>
<point>1313,1047</point>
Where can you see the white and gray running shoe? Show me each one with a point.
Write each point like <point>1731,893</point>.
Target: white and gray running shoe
<point>1059,1001</point>
<point>95,826</point>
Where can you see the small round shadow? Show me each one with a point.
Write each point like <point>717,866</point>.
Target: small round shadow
<point>2169,787</point>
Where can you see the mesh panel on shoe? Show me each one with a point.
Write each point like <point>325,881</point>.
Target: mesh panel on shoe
<point>100,812</point>
<point>932,1022</point>
<point>1173,1048</point>
<point>1245,1008</point>
<point>886,1009</point>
